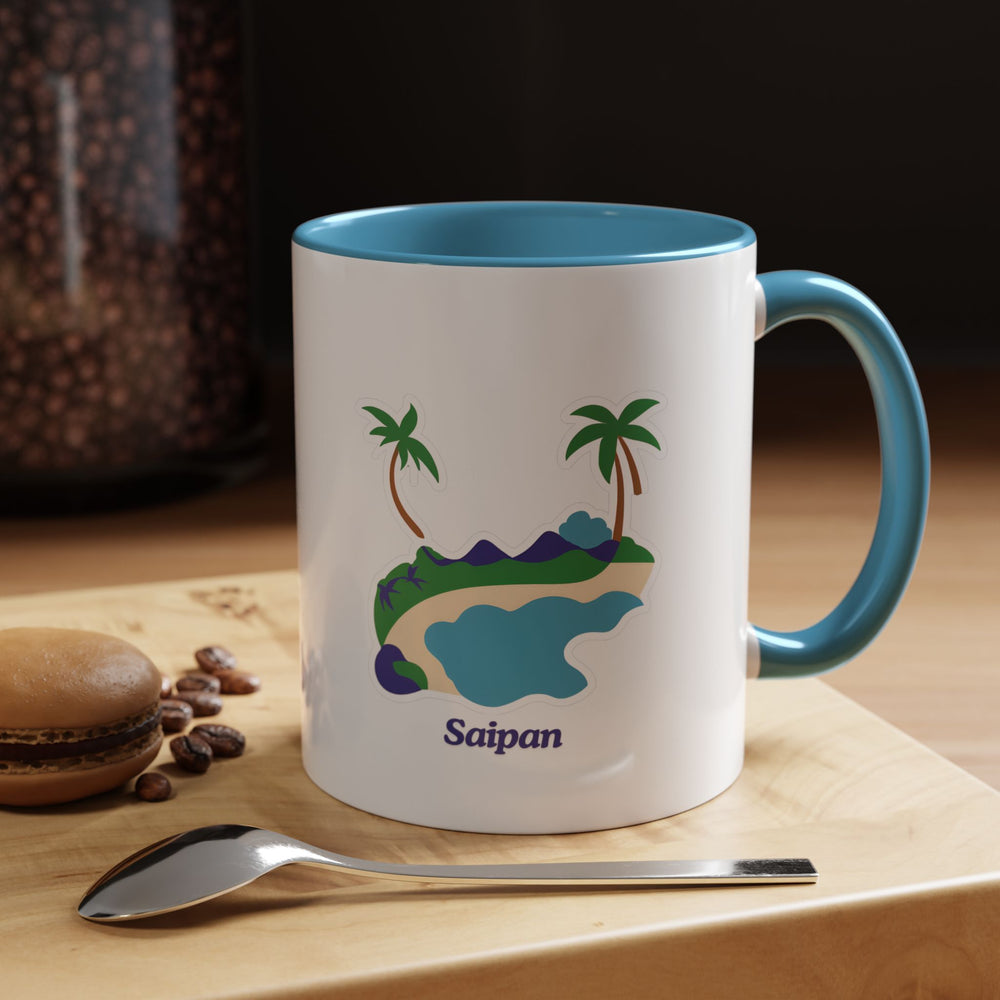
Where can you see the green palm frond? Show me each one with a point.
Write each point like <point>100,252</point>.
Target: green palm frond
<point>607,429</point>
<point>592,411</point>
<point>636,409</point>
<point>400,434</point>
<point>409,422</point>
<point>420,454</point>
<point>584,436</point>
<point>639,434</point>
<point>606,455</point>
<point>386,419</point>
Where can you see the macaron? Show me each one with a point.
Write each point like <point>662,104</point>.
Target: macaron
<point>79,714</point>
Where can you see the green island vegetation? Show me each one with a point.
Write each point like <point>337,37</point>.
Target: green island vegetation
<point>430,574</point>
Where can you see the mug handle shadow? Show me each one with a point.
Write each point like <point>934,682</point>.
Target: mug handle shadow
<point>905,464</point>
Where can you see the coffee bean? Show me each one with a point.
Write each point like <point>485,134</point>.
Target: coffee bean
<point>175,715</point>
<point>192,753</point>
<point>166,686</point>
<point>224,740</point>
<point>131,278</point>
<point>199,682</point>
<point>153,787</point>
<point>239,682</point>
<point>215,659</point>
<point>201,702</point>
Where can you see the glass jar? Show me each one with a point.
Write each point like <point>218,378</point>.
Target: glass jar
<point>128,372</point>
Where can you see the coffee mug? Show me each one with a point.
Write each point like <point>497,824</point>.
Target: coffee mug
<point>523,456</point>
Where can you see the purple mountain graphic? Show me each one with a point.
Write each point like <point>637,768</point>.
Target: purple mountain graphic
<point>549,545</point>
<point>483,554</point>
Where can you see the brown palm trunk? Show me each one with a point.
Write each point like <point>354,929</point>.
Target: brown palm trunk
<point>619,528</point>
<point>632,468</point>
<point>410,523</point>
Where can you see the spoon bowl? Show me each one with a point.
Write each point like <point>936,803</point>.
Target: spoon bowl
<point>201,864</point>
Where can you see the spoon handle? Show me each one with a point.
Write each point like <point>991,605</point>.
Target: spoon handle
<point>746,871</point>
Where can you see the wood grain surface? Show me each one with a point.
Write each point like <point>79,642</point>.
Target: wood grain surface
<point>908,901</point>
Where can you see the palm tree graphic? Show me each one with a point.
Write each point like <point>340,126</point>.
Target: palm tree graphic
<point>613,433</point>
<point>406,447</point>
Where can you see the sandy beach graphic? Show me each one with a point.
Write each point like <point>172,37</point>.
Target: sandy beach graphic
<point>409,631</point>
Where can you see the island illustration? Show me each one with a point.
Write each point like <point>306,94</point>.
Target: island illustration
<point>493,626</point>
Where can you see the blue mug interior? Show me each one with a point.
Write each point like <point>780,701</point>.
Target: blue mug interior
<point>524,234</point>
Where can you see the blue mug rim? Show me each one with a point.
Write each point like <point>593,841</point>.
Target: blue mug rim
<point>524,234</point>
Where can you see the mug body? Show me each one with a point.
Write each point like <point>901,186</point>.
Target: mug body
<point>523,450</point>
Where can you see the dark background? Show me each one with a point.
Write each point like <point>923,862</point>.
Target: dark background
<point>855,139</point>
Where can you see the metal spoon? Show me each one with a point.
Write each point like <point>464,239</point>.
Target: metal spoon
<point>201,864</point>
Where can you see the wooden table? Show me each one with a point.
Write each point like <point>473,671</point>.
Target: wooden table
<point>908,901</point>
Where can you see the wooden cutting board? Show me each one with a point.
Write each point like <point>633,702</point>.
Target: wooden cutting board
<point>907,846</point>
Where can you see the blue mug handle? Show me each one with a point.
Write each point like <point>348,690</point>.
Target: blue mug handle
<point>903,440</point>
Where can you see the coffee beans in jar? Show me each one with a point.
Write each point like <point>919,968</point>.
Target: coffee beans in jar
<point>126,364</point>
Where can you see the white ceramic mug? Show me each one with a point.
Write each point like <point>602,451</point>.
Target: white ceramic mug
<point>523,444</point>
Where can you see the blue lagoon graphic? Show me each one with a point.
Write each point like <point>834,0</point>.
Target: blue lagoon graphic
<point>495,656</point>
